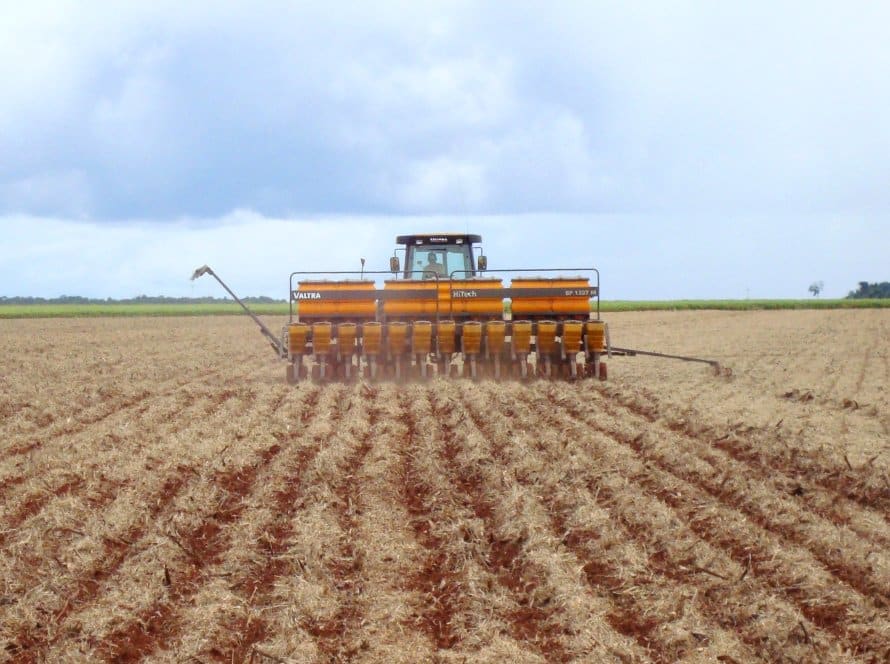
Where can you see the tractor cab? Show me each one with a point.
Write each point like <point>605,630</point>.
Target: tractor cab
<point>438,256</point>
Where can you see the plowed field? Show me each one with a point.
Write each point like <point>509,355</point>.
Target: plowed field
<point>164,495</point>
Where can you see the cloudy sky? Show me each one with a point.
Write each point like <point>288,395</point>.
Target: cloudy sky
<point>687,149</point>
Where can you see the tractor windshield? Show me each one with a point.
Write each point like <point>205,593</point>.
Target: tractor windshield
<point>429,261</point>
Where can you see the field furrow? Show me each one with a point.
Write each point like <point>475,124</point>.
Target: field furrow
<point>167,553</point>
<point>335,633</point>
<point>166,497</point>
<point>89,410</point>
<point>443,612</point>
<point>159,624</point>
<point>825,592</point>
<point>824,475</point>
<point>532,612</point>
<point>776,507</point>
<point>545,484</point>
<point>87,541</point>
<point>125,442</point>
<point>228,612</point>
<point>669,584</point>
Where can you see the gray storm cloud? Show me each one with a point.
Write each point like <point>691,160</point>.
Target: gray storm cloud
<point>162,110</point>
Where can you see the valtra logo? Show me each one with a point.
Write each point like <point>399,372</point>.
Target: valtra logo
<point>307,295</point>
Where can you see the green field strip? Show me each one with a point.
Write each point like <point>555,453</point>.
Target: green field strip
<point>10,311</point>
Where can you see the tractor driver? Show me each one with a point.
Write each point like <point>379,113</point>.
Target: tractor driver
<point>433,268</point>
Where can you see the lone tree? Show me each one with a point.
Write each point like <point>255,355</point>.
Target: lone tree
<point>816,288</point>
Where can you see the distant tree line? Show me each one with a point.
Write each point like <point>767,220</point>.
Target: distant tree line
<point>139,299</point>
<point>870,291</point>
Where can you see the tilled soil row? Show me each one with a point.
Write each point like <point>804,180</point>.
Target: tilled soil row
<point>30,645</point>
<point>179,415</point>
<point>9,483</point>
<point>160,518</point>
<point>85,419</point>
<point>237,640</point>
<point>35,502</point>
<point>621,612</point>
<point>823,537</point>
<point>755,543</point>
<point>674,548</point>
<point>466,599</point>
<point>316,472</point>
<point>844,552</point>
<point>764,449</point>
<point>83,434</point>
<point>201,545</point>
<point>644,600</point>
<point>336,636</point>
<point>437,579</point>
<point>832,500</point>
<point>109,406</point>
<point>157,626</point>
<point>229,609</point>
<point>93,551</point>
<point>309,596</point>
<point>530,622</point>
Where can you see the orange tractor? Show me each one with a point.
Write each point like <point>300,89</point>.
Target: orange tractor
<point>443,313</point>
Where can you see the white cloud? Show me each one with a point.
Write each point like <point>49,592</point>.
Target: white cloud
<point>167,108</point>
<point>431,185</point>
<point>65,192</point>
<point>639,256</point>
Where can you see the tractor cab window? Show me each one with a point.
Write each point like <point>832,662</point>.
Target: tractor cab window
<point>430,261</point>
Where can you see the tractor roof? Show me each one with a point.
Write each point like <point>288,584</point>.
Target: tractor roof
<point>438,238</point>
